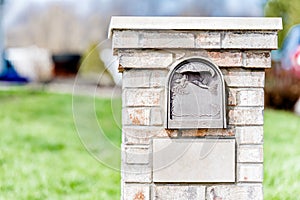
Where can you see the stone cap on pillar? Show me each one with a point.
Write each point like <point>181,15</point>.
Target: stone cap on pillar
<point>194,32</point>
<point>194,23</point>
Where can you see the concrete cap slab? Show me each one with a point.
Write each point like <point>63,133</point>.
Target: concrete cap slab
<point>194,23</point>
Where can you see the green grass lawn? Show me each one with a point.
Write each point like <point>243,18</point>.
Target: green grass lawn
<point>281,155</point>
<point>41,156</point>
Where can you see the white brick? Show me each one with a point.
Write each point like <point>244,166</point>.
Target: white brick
<point>176,192</point>
<point>158,78</point>
<point>171,39</point>
<point>231,58</point>
<point>249,135</point>
<point>157,116</point>
<point>125,39</point>
<point>137,154</point>
<point>246,116</point>
<point>244,78</point>
<point>143,135</point>
<point>249,40</point>
<point>136,78</point>
<point>145,59</point>
<point>144,78</point>
<point>235,192</point>
<point>257,59</point>
<point>208,40</point>
<point>136,116</point>
<point>250,153</point>
<point>136,192</point>
<point>142,97</point>
<point>249,172</point>
<point>226,58</point>
<point>246,97</point>
<point>136,173</point>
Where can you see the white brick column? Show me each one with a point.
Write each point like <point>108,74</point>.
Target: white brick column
<point>147,47</point>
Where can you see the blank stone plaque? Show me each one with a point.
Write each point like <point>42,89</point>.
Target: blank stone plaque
<point>196,95</point>
<point>194,160</point>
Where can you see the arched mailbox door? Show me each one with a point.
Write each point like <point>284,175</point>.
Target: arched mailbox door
<point>196,95</point>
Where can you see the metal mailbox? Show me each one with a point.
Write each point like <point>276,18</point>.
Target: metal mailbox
<point>195,95</point>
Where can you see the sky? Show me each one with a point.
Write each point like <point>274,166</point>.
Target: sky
<point>16,9</point>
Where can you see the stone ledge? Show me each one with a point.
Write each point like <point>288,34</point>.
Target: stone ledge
<point>194,23</point>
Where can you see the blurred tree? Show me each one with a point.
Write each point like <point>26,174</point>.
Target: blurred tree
<point>288,10</point>
<point>92,67</point>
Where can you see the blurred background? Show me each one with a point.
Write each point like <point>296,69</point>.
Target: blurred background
<point>47,40</point>
<point>47,44</point>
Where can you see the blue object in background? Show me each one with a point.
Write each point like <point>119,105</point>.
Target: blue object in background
<point>9,73</point>
<point>290,46</point>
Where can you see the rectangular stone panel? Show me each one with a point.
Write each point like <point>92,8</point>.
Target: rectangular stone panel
<point>194,160</point>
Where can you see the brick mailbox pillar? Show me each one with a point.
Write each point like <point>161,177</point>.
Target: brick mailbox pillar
<point>193,101</point>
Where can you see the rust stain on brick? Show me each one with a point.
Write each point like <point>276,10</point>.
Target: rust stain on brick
<point>171,132</point>
<point>139,196</point>
<point>208,132</point>
<point>137,117</point>
<point>120,68</point>
<point>134,119</point>
<point>156,101</point>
